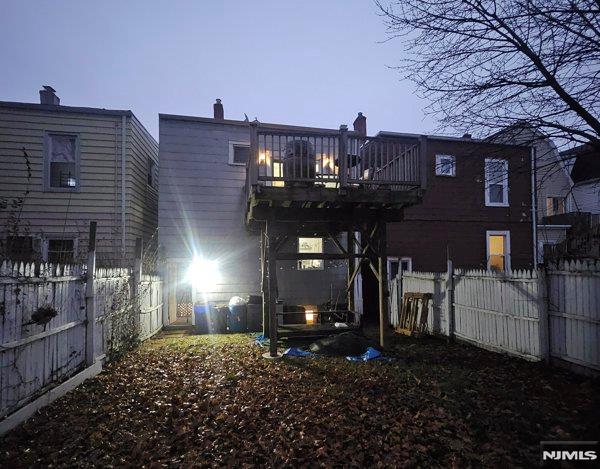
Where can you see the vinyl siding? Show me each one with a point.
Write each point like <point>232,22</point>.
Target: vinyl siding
<point>65,213</point>
<point>587,196</point>
<point>201,210</point>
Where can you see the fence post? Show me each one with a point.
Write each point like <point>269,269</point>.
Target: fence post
<point>136,287</point>
<point>544,323</point>
<point>90,299</point>
<point>343,156</point>
<point>450,298</point>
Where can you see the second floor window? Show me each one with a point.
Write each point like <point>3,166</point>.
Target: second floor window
<point>61,162</point>
<point>239,153</point>
<point>496,182</point>
<point>445,165</point>
<point>555,206</point>
<point>151,172</point>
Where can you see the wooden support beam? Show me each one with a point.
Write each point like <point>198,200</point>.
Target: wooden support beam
<point>290,256</point>
<point>339,245</point>
<point>350,249</point>
<point>272,277</point>
<point>363,251</point>
<point>383,285</point>
<point>264,287</point>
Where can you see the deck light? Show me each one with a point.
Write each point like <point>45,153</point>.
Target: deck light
<point>203,274</point>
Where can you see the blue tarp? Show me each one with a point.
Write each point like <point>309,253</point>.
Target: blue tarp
<point>296,352</point>
<point>370,354</point>
<point>261,340</point>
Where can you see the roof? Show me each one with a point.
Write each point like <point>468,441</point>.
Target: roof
<point>210,120</point>
<point>587,163</point>
<point>73,109</point>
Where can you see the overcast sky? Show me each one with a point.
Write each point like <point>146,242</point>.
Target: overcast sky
<point>311,63</point>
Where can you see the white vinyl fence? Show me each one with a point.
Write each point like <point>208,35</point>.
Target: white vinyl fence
<point>537,315</point>
<point>44,331</point>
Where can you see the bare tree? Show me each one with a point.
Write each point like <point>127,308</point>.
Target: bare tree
<point>485,65</point>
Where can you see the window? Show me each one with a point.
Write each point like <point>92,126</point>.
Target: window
<point>61,162</point>
<point>19,248</point>
<point>555,206</point>
<point>239,153</point>
<point>61,251</point>
<point>496,182</point>
<point>396,265</point>
<point>151,172</point>
<point>498,251</point>
<point>445,165</point>
<point>310,246</point>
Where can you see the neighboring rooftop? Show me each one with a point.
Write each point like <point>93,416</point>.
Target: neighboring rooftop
<point>587,163</point>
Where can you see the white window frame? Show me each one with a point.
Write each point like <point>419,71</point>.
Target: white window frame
<point>438,165</point>
<point>46,243</point>
<point>322,264</point>
<point>47,187</point>
<point>409,260</point>
<point>506,234</point>
<point>233,144</point>
<point>504,181</point>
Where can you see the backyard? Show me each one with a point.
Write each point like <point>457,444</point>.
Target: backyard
<point>214,401</point>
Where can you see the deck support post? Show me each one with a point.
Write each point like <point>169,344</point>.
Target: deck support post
<point>383,282</point>
<point>350,250</point>
<point>343,156</point>
<point>264,286</point>
<point>272,278</point>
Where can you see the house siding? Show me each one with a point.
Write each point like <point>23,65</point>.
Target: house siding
<point>202,209</point>
<point>587,196</point>
<point>453,218</point>
<point>65,213</point>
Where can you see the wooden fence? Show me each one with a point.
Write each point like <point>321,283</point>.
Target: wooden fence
<point>537,315</point>
<point>44,326</point>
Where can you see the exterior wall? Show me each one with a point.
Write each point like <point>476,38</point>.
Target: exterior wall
<point>202,208</point>
<point>142,199</point>
<point>453,215</point>
<point>587,196</point>
<point>50,213</point>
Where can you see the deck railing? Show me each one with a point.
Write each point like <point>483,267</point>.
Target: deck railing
<point>333,159</point>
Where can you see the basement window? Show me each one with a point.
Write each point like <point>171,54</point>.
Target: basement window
<point>61,162</point>
<point>19,248</point>
<point>239,153</point>
<point>445,165</point>
<point>60,250</point>
<point>310,246</point>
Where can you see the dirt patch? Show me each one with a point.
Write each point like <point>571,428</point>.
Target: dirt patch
<point>213,401</point>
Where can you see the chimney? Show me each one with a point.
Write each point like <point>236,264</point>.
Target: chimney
<point>360,125</point>
<point>218,110</point>
<point>48,96</point>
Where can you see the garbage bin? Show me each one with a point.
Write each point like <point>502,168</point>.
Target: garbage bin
<point>218,320</point>
<point>201,317</point>
<point>236,318</point>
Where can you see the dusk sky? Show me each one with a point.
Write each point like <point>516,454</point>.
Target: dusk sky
<point>311,63</point>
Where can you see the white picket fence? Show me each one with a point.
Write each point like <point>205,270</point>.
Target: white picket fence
<point>553,312</point>
<point>37,355</point>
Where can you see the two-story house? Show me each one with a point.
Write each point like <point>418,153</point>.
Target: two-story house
<point>62,167</point>
<point>476,205</point>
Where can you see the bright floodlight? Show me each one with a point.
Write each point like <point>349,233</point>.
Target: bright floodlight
<point>203,274</point>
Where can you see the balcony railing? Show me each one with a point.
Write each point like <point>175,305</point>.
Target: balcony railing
<point>333,159</point>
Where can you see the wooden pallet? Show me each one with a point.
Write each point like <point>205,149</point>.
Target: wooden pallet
<point>413,317</point>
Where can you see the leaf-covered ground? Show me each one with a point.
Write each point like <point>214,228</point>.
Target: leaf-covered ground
<point>213,401</point>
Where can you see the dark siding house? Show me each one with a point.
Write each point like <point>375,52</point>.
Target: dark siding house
<point>457,219</point>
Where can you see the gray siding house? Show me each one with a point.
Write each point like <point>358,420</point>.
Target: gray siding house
<point>201,215</point>
<point>62,167</point>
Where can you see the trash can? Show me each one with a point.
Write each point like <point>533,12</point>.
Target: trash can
<point>254,317</point>
<point>236,318</point>
<point>201,317</point>
<point>218,320</point>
